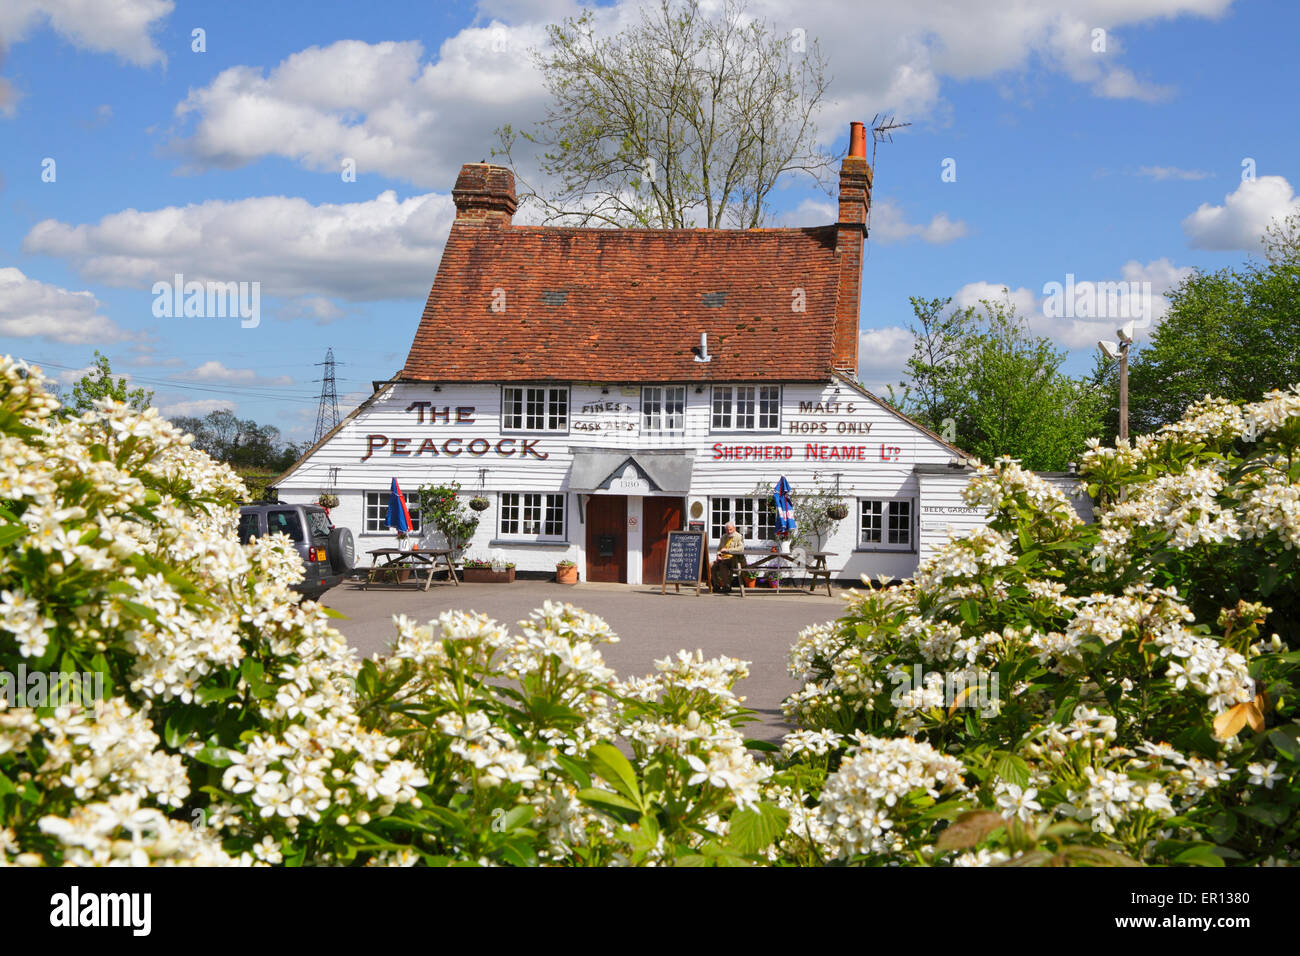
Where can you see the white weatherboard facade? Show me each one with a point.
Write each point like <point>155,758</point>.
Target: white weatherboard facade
<point>541,482</point>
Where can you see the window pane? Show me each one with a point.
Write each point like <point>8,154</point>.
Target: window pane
<point>512,408</point>
<point>558,410</point>
<point>509,514</point>
<point>554,524</point>
<point>871,513</point>
<point>651,409</point>
<point>722,407</point>
<point>745,407</point>
<point>900,522</point>
<point>284,522</point>
<point>248,529</point>
<point>675,409</point>
<point>719,515</point>
<point>769,407</point>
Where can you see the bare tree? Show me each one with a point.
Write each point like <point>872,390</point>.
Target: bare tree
<point>684,119</point>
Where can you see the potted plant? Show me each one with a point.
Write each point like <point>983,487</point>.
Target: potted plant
<point>479,503</point>
<point>481,571</point>
<point>441,507</point>
<point>837,511</point>
<point>566,572</point>
<point>328,501</point>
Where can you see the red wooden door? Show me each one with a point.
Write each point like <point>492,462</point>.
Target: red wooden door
<point>659,516</point>
<point>607,538</point>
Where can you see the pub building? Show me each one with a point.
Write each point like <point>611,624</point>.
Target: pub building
<point>602,387</point>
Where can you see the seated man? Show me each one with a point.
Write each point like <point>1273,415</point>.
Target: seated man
<point>730,557</point>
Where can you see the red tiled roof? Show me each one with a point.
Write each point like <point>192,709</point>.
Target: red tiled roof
<point>628,305</point>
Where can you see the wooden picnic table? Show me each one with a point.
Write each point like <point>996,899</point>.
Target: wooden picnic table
<point>778,561</point>
<point>392,560</point>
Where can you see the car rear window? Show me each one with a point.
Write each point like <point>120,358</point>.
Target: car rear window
<point>319,523</point>
<point>285,521</point>
<point>248,529</point>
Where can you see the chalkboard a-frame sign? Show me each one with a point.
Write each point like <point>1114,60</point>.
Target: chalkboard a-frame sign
<point>687,561</point>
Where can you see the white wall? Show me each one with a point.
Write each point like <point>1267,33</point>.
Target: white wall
<point>845,420</point>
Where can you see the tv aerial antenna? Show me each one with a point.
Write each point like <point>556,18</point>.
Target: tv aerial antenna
<point>882,131</point>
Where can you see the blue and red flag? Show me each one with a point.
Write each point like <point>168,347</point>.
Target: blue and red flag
<point>399,519</point>
<point>785,522</point>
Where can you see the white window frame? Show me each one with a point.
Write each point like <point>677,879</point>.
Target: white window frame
<point>745,408</point>
<point>374,512</point>
<point>526,513</point>
<point>753,517</point>
<point>656,397</point>
<point>535,409</point>
<point>886,512</point>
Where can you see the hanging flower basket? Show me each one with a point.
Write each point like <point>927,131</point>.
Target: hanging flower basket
<point>479,503</point>
<point>328,501</point>
<point>838,512</point>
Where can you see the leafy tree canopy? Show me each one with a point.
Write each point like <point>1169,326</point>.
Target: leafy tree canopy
<point>689,117</point>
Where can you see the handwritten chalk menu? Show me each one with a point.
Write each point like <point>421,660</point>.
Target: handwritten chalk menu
<point>687,560</point>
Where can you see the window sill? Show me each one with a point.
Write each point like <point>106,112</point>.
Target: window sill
<point>528,543</point>
<point>884,550</point>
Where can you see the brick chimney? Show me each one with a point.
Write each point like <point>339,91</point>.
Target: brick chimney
<point>485,194</point>
<point>851,231</point>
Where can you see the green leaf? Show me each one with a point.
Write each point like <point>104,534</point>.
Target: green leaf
<point>11,533</point>
<point>612,767</point>
<point>607,799</point>
<point>1012,769</point>
<point>1286,741</point>
<point>970,612</point>
<point>207,695</point>
<point>755,828</point>
<point>1202,854</point>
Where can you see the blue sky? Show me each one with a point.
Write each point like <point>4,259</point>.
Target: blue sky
<point>1117,164</point>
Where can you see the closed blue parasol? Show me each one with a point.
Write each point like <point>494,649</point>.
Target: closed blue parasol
<point>399,519</point>
<point>785,523</point>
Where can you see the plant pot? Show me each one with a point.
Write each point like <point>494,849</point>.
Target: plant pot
<point>837,512</point>
<point>479,504</point>
<point>487,576</point>
<point>751,582</point>
<point>566,575</point>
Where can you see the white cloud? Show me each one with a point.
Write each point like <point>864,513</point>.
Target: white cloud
<point>1099,306</point>
<point>882,357</point>
<point>214,371</point>
<point>122,27</point>
<point>1245,214</point>
<point>382,105</point>
<point>197,407</point>
<point>1159,173</point>
<point>402,113</point>
<point>888,224</point>
<point>319,308</point>
<point>972,293</point>
<point>31,308</point>
<point>382,248</point>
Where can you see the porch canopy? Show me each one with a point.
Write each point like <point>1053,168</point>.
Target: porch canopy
<point>619,471</point>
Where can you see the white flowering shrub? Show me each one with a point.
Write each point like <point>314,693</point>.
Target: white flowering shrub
<point>237,727</point>
<point>1045,691</point>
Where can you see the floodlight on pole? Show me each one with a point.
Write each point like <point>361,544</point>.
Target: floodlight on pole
<point>1119,351</point>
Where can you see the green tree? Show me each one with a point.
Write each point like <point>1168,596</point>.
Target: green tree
<point>99,383</point>
<point>685,118</point>
<point>979,378</point>
<point>1234,333</point>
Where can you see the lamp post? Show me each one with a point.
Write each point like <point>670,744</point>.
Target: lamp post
<point>1119,350</point>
